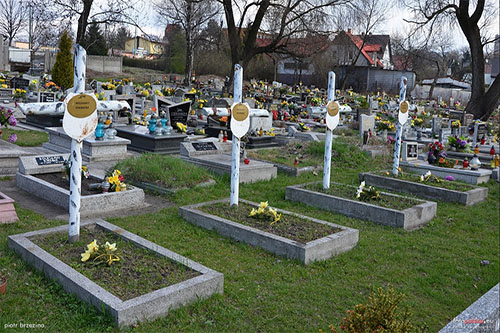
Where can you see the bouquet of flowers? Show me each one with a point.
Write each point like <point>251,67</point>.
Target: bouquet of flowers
<point>7,118</point>
<point>455,124</point>
<point>417,122</point>
<point>385,125</point>
<point>19,93</point>
<point>458,142</point>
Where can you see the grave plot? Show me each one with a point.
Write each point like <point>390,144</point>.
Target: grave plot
<point>128,287</point>
<point>473,177</point>
<point>379,207</point>
<point>278,231</point>
<point>92,149</point>
<point>42,176</point>
<point>429,187</point>
<point>293,159</point>
<point>210,155</point>
<point>163,174</point>
<point>142,140</point>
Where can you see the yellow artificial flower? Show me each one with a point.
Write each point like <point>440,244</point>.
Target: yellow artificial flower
<point>93,247</point>
<point>253,212</point>
<point>110,247</point>
<point>111,259</point>
<point>260,210</point>
<point>263,204</point>
<point>85,256</point>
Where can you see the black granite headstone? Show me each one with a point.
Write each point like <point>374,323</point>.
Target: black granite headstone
<point>47,97</point>
<point>178,113</point>
<point>48,160</point>
<point>204,146</point>
<point>19,83</point>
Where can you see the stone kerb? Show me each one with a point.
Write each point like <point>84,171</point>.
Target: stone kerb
<point>470,197</point>
<point>125,313</point>
<point>319,249</point>
<point>408,219</point>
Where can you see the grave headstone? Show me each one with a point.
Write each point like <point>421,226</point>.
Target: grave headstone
<point>19,83</point>
<point>39,164</point>
<point>199,148</point>
<point>444,133</point>
<point>366,124</point>
<point>468,119</point>
<point>162,104</point>
<point>436,125</point>
<point>6,94</point>
<point>46,97</point>
<point>178,113</point>
<point>410,151</point>
<point>130,99</point>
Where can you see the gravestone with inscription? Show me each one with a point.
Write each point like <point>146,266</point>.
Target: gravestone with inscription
<point>6,94</point>
<point>178,113</point>
<point>19,83</point>
<point>33,165</point>
<point>46,97</point>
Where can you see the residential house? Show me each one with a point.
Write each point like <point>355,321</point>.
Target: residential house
<point>141,47</point>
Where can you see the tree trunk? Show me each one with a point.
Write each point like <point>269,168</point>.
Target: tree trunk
<point>486,105</point>
<point>83,21</point>
<point>189,45</point>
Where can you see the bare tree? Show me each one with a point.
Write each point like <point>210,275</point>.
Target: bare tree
<point>473,18</point>
<point>192,16</point>
<point>12,16</point>
<point>277,20</point>
<point>98,12</point>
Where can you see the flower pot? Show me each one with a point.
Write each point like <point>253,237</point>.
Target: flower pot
<point>3,284</point>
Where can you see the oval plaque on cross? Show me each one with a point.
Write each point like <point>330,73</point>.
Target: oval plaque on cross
<point>404,106</point>
<point>80,117</point>
<point>240,119</point>
<point>332,115</point>
<point>82,105</point>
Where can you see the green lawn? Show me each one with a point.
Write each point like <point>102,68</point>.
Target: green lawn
<point>26,138</point>
<point>437,267</point>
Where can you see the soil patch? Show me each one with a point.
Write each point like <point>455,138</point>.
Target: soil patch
<point>138,272</point>
<point>61,181</point>
<point>289,226</point>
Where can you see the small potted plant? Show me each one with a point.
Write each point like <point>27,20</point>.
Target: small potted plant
<point>3,284</point>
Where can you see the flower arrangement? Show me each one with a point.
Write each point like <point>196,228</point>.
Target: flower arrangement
<point>429,177</point>
<point>100,96</point>
<point>385,125</point>
<point>116,182</point>
<point>19,93</point>
<point>455,124</point>
<point>181,127</point>
<point>7,118</point>
<point>446,163</point>
<point>158,93</point>
<point>366,193</point>
<point>168,91</point>
<point>417,122</point>
<point>108,86</point>
<point>100,254</point>
<point>437,148</point>
<point>303,127</point>
<point>51,86</point>
<point>316,101</point>
<point>458,142</point>
<point>263,214</point>
<point>147,85</point>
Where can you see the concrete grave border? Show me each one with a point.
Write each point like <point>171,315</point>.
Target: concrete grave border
<point>319,249</point>
<point>125,313</point>
<point>408,219</point>
<point>481,316</point>
<point>468,198</point>
<point>92,204</point>
<point>467,176</point>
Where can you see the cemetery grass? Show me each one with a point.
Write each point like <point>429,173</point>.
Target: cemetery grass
<point>26,138</point>
<point>138,271</point>
<point>312,153</point>
<point>349,192</point>
<point>163,170</point>
<point>449,185</point>
<point>289,226</point>
<point>437,267</point>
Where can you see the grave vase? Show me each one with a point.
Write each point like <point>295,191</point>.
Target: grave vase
<point>419,133</point>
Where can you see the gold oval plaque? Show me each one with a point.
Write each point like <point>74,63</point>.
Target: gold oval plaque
<point>403,107</point>
<point>82,106</point>
<point>240,112</point>
<point>333,108</point>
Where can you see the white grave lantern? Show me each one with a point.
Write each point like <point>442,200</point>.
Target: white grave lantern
<point>403,112</point>
<point>332,115</point>
<point>240,120</point>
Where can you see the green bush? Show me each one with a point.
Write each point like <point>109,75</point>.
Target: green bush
<point>62,73</point>
<point>380,314</point>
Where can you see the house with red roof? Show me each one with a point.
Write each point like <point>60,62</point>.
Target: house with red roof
<point>362,50</point>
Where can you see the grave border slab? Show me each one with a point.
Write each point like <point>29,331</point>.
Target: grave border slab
<point>408,219</point>
<point>319,249</point>
<point>468,198</point>
<point>125,313</point>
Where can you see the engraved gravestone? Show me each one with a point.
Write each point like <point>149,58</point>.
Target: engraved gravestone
<point>178,113</point>
<point>410,151</point>
<point>46,97</point>
<point>366,124</point>
<point>436,125</point>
